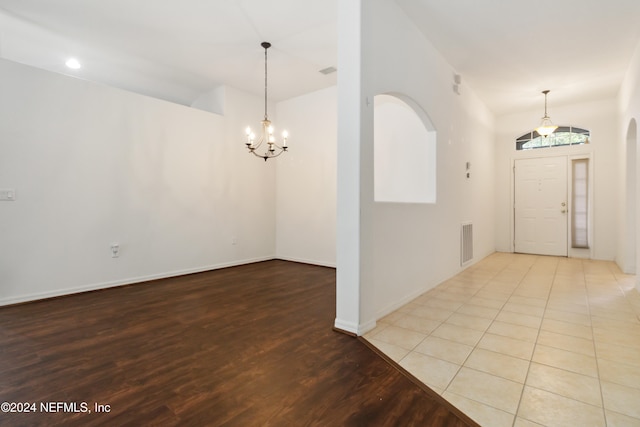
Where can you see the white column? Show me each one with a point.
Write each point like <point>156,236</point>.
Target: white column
<point>354,293</point>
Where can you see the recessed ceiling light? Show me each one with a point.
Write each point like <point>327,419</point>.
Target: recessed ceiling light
<point>73,63</point>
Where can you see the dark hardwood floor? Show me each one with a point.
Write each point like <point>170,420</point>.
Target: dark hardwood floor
<point>243,346</point>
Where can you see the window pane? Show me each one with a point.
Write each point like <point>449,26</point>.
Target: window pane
<point>564,135</point>
<point>580,203</point>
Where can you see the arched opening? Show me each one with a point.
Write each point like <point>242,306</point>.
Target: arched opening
<point>404,151</point>
<point>632,228</point>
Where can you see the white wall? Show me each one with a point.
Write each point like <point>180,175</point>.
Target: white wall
<point>306,179</point>
<point>413,246</point>
<point>600,118</point>
<point>629,110</point>
<point>417,246</point>
<point>93,165</point>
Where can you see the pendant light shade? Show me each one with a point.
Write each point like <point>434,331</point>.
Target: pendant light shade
<point>546,127</point>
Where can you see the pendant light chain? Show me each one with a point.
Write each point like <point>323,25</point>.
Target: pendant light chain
<point>265,82</point>
<point>545,101</point>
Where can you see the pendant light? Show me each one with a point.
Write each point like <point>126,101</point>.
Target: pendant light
<point>272,148</point>
<point>546,127</point>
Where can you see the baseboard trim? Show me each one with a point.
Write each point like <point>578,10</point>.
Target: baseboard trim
<point>124,282</point>
<point>342,331</point>
<point>353,329</point>
<point>307,261</point>
<point>348,328</point>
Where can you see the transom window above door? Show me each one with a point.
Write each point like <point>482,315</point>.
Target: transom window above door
<point>564,135</point>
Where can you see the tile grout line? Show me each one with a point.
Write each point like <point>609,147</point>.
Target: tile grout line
<point>526,377</point>
<point>459,289</point>
<point>595,348</point>
<point>485,332</point>
<point>443,321</point>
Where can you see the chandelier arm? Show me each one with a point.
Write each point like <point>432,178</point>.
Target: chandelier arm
<point>276,155</point>
<point>266,155</point>
<point>254,147</point>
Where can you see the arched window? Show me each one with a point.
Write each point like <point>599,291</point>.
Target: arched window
<point>564,135</point>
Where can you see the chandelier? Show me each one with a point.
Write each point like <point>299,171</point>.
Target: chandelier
<point>267,137</point>
<point>546,127</point>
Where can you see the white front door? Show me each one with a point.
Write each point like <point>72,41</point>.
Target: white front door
<point>540,210</point>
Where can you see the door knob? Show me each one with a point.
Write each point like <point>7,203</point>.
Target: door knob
<point>563,211</point>
<point>563,204</point>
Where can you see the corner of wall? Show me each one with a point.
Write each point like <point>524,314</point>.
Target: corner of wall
<point>212,101</point>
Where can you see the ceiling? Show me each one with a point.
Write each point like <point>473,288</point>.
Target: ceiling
<point>506,51</point>
<point>509,51</point>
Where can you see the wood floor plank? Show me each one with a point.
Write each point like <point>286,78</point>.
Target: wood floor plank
<point>245,346</point>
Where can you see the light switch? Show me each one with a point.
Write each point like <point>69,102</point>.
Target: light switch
<point>7,195</point>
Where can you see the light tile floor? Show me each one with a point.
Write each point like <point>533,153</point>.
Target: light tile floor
<point>524,340</point>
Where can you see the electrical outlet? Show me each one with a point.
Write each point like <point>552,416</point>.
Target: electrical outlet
<point>115,250</point>
<point>7,195</point>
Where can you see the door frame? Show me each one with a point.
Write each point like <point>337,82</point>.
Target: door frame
<point>570,153</point>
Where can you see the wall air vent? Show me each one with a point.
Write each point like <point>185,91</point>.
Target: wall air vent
<point>466,243</point>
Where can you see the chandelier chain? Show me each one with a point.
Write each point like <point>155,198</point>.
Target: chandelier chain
<point>265,83</point>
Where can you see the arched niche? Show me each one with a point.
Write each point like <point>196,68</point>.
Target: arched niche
<point>404,151</point>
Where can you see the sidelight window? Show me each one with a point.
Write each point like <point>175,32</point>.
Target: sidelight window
<point>579,203</point>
